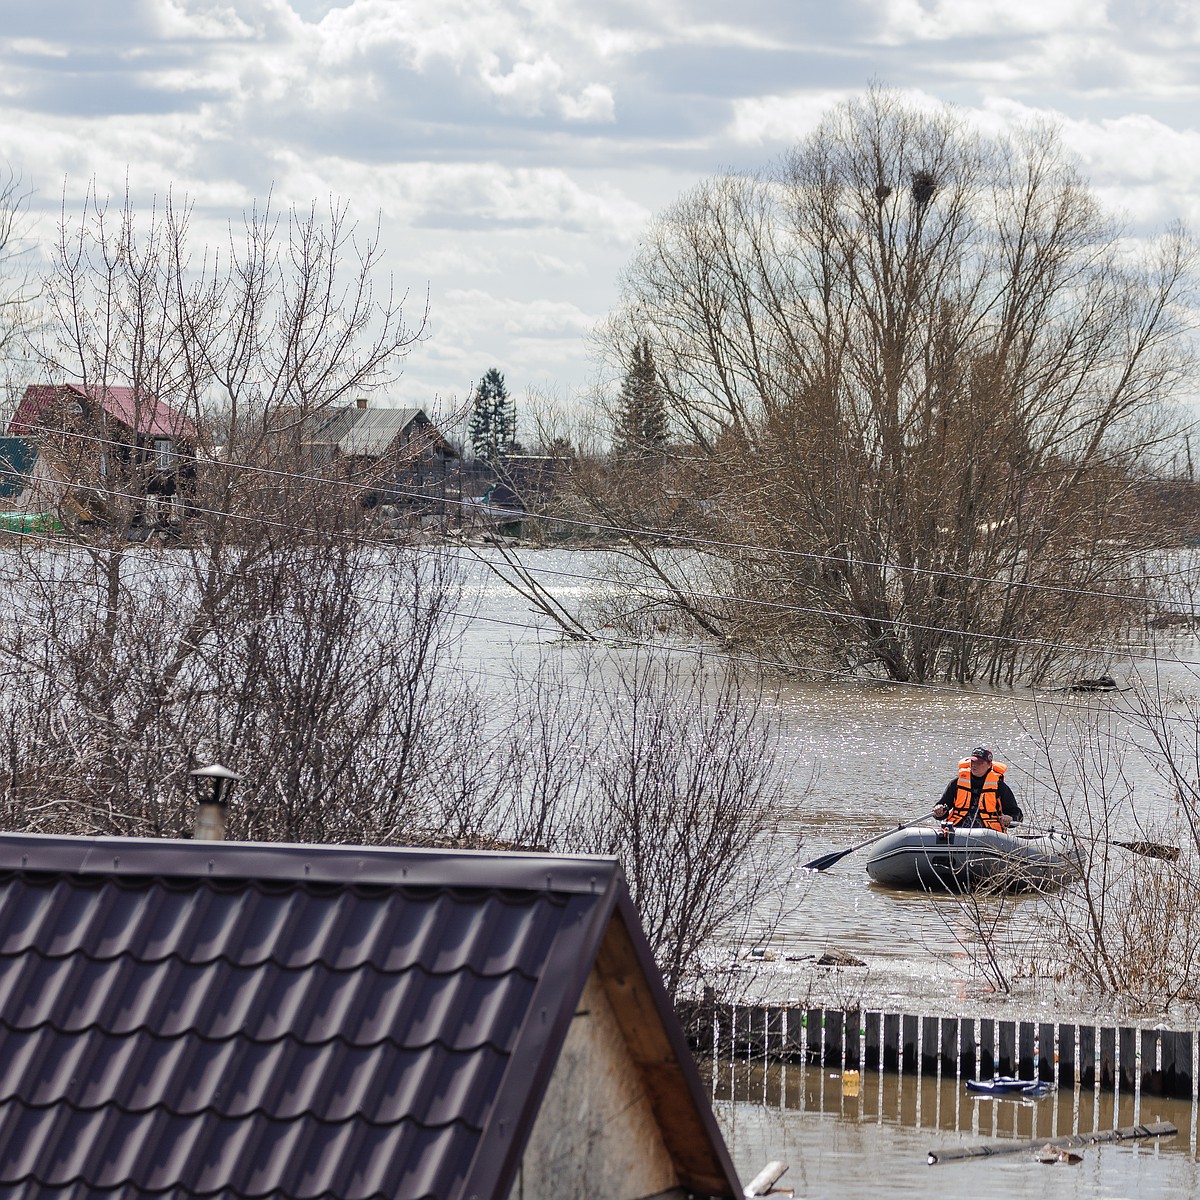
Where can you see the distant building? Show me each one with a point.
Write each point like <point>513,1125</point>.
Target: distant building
<point>106,448</point>
<point>31,497</point>
<point>186,1018</point>
<point>398,454</point>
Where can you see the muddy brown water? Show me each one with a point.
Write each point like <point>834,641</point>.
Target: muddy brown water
<point>841,1142</point>
<point>860,759</point>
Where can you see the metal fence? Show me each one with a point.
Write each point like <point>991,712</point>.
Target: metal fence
<point>1126,1058</point>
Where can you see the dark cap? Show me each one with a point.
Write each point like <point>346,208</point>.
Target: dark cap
<point>982,752</point>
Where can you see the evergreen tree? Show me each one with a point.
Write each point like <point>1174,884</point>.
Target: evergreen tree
<point>640,427</point>
<point>493,427</point>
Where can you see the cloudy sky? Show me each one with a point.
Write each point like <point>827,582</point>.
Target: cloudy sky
<point>515,150</point>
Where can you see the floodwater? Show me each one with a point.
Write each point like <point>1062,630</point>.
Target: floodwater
<point>840,1145</point>
<point>861,759</point>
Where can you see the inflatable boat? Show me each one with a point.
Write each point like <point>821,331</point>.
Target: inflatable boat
<point>946,858</point>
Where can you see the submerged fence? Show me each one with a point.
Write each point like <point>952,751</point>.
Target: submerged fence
<point>1126,1058</point>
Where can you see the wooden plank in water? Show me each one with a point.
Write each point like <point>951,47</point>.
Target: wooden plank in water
<point>832,1054</point>
<point>1177,1064</point>
<point>948,1047</point>
<point>1087,1057</point>
<point>1151,1075</point>
<point>1045,1052</point>
<point>987,1048</point>
<point>908,1042</point>
<point>1073,1141</point>
<point>872,1040</point>
<point>738,1025</point>
<point>1006,1049</point>
<point>853,1036</point>
<point>723,1027</point>
<point>929,1045</point>
<point>891,1041</point>
<point>1127,1058</point>
<point>968,1051</point>
<point>812,1035</point>
<point>1108,1058</point>
<point>1066,1056</point>
<point>1025,1067</point>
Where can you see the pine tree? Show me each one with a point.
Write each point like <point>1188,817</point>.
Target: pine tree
<point>493,427</point>
<point>640,427</point>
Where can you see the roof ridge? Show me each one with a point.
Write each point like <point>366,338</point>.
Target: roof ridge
<point>343,865</point>
<point>514,896</point>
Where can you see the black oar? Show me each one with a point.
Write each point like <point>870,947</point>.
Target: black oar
<point>1151,850</point>
<point>827,860</point>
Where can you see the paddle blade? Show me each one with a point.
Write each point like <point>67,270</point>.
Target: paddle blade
<point>825,861</point>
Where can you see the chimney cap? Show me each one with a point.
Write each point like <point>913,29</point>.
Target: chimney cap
<point>215,771</point>
<point>216,780</point>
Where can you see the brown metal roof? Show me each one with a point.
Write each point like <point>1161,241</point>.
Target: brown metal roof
<point>251,1020</point>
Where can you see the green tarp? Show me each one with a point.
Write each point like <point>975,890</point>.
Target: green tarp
<point>12,522</point>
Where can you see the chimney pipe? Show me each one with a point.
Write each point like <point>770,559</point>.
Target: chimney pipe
<point>213,785</point>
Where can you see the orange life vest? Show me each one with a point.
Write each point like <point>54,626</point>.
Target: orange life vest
<point>989,795</point>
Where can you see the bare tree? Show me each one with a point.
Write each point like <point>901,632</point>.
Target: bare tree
<point>308,648</point>
<point>280,628</point>
<point>922,369</point>
<point>19,285</point>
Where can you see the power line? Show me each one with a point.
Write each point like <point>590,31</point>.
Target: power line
<point>295,527</point>
<point>683,539</point>
<point>710,654</point>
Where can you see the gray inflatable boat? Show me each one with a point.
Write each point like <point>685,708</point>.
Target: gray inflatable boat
<point>945,858</point>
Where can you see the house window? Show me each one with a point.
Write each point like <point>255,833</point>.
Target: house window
<point>164,454</point>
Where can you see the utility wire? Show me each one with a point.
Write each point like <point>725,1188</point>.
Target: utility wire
<point>593,579</point>
<point>709,654</point>
<point>305,477</point>
<point>294,527</point>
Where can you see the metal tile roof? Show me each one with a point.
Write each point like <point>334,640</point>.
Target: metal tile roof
<point>249,1020</point>
<point>375,430</point>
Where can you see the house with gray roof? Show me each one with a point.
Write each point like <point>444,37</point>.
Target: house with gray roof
<point>194,1018</point>
<point>398,453</point>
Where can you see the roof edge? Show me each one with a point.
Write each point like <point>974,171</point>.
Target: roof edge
<point>305,863</point>
<point>500,1152</point>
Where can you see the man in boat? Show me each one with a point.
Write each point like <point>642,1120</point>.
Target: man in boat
<point>978,795</point>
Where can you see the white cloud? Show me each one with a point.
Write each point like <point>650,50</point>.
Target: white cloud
<point>595,103</point>
<point>761,119</point>
<point>517,148</point>
<point>944,19</point>
<point>468,193</point>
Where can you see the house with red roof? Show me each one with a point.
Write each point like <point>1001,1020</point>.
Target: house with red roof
<point>113,451</point>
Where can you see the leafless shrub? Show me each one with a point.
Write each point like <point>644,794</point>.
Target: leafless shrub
<point>288,638</point>
<point>1128,933</point>
<point>688,794</point>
